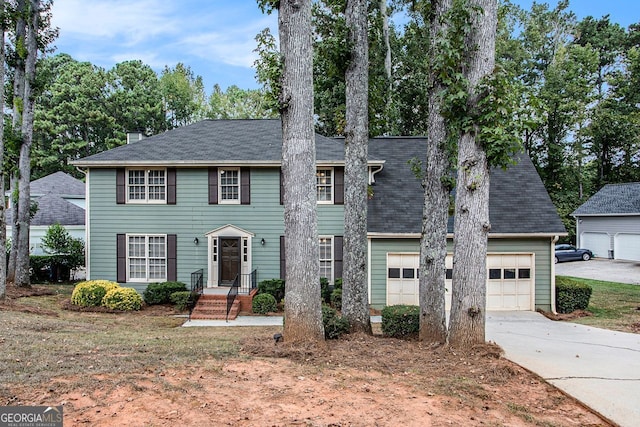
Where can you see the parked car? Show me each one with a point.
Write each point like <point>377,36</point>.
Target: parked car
<point>571,253</point>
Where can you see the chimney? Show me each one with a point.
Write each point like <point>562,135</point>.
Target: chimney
<point>134,137</point>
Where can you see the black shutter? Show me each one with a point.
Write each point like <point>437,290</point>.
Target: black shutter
<point>338,186</point>
<point>245,186</point>
<point>213,186</point>
<point>120,186</point>
<point>171,186</point>
<point>283,260</point>
<point>281,188</point>
<point>337,257</point>
<point>121,257</point>
<point>172,267</point>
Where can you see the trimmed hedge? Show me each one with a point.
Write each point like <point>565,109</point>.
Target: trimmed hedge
<point>160,293</point>
<point>91,293</point>
<point>125,299</point>
<point>181,299</point>
<point>264,303</point>
<point>401,321</point>
<point>571,295</point>
<point>334,325</point>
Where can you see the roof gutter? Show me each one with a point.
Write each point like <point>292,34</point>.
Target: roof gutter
<point>375,235</point>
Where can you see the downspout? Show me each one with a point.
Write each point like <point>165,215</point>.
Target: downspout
<point>86,222</point>
<point>553,274</point>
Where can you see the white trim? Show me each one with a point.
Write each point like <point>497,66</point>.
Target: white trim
<point>222,171</point>
<point>607,214</point>
<point>553,273</point>
<point>332,242</point>
<point>368,268</point>
<point>331,186</point>
<point>146,200</point>
<point>230,231</point>
<point>146,279</point>
<point>87,226</point>
<point>375,235</point>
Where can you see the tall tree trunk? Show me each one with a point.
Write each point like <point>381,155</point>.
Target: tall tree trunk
<point>433,239</point>
<point>3,216</point>
<point>387,45</point>
<point>16,122</point>
<point>24,200</point>
<point>355,298</point>
<point>471,224</point>
<point>303,312</point>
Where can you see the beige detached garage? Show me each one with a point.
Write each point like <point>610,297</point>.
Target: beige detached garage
<point>510,280</point>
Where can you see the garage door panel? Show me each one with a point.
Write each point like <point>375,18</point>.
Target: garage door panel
<point>510,289</point>
<point>598,243</point>
<point>627,246</point>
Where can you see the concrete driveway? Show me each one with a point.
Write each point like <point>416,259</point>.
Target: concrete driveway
<point>601,368</point>
<point>602,269</point>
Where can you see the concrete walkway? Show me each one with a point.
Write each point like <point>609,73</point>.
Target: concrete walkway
<point>598,367</point>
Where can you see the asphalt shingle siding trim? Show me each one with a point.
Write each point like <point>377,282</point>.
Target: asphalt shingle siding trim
<point>613,199</point>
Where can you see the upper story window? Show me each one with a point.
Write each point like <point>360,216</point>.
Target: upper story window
<point>229,183</point>
<point>324,185</point>
<point>146,186</point>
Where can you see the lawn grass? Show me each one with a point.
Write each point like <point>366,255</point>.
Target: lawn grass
<point>37,348</point>
<point>614,306</point>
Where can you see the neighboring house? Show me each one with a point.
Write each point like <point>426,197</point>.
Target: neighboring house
<point>209,196</point>
<point>61,200</point>
<point>609,222</point>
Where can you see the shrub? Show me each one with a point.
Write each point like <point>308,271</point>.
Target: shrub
<point>69,251</point>
<point>160,293</point>
<point>264,303</point>
<point>274,287</point>
<point>336,299</point>
<point>571,295</point>
<point>337,284</point>
<point>400,321</point>
<point>334,325</point>
<point>181,299</point>
<point>325,290</point>
<point>91,293</point>
<point>125,299</point>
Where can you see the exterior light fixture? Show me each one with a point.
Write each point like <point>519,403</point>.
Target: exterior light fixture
<point>196,241</point>
<point>262,242</point>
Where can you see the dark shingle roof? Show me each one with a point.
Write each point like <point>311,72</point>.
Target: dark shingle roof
<point>57,183</point>
<point>518,201</point>
<point>613,199</point>
<point>212,141</point>
<point>50,193</point>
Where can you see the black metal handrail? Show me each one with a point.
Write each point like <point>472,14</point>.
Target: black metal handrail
<point>242,284</point>
<point>231,296</point>
<point>197,287</point>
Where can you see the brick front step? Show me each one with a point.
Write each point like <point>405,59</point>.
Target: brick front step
<point>214,307</point>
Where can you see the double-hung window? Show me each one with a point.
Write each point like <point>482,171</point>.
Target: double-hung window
<point>146,258</point>
<point>146,186</point>
<point>326,258</point>
<point>324,185</point>
<point>229,185</point>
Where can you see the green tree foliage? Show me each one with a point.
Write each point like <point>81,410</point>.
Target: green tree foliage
<point>135,99</point>
<point>184,96</point>
<point>58,241</point>
<point>238,103</point>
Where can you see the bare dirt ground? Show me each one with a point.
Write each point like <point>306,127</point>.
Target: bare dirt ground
<point>356,381</point>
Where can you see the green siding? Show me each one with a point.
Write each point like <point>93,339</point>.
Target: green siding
<point>192,217</point>
<point>539,246</point>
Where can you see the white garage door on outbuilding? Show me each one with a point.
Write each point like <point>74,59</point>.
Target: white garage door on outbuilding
<point>598,243</point>
<point>626,246</point>
<point>510,280</point>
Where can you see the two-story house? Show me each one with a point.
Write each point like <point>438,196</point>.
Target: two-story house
<point>209,196</point>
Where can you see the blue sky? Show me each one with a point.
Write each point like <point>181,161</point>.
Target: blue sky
<point>214,37</point>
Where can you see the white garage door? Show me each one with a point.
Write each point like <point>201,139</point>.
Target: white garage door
<point>510,281</point>
<point>627,246</point>
<point>599,243</point>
